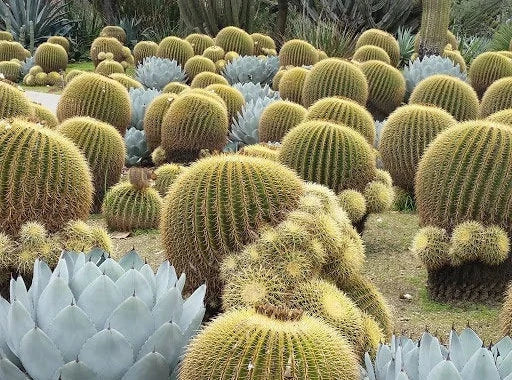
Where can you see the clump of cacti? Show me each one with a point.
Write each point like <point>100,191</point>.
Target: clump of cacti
<point>175,48</point>
<point>497,97</point>
<point>98,97</point>
<point>386,88</point>
<point>335,77</point>
<point>383,40</point>
<point>51,57</point>
<point>297,53</point>
<point>267,190</point>
<point>63,193</point>
<point>449,93</point>
<point>194,122</point>
<point>291,84</point>
<point>198,64</point>
<point>133,204</point>
<point>103,147</point>
<point>407,133</point>
<point>106,48</point>
<point>232,97</point>
<point>278,118</point>
<point>263,44</point>
<point>488,68</point>
<point>293,345</point>
<point>319,152</point>
<point>144,49</point>
<point>345,112</point>
<point>371,53</point>
<point>235,39</point>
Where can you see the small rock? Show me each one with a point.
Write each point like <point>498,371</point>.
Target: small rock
<point>406,297</point>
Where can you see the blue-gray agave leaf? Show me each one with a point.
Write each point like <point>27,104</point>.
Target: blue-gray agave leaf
<point>253,92</point>
<point>74,370</point>
<point>136,147</point>
<point>151,366</point>
<point>156,72</point>
<point>27,64</point>
<point>418,70</point>
<point>443,371</point>
<point>251,69</point>
<point>140,98</point>
<point>9,370</point>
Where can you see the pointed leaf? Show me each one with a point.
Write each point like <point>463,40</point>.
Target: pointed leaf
<point>79,263</point>
<point>180,284</point>
<point>20,293</point>
<point>167,340</point>
<point>443,371</point>
<point>505,365</point>
<point>162,279</point>
<point>131,260</point>
<point>40,357</point>
<point>60,271</point>
<point>370,372</point>
<point>480,366</point>
<point>168,308</point>
<point>402,376</point>
<point>99,299</point>
<point>429,355</point>
<point>83,278</point>
<point>74,370</point>
<point>19,322</point>
<point>153,366</point>
<point>9,371</point>
<point>148,274</point>
<point>134,282</point>
<point>192,306</point>
<point>96,256</point>
<point>40,280</point>
<point>112,269</point>
<point>55,297</point>
<point>504,346</point>
<point>108,354</point>
<point>470,341</point>
<point>411,363</point>
<point>457,354</point>
<point>70,329</point>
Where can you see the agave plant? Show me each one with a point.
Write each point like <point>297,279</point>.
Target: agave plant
<point>26,65</point>
<point>405,39</point>
<point>464,358</point>
<point>244,130</point>
<point>155,72</point>
<point>137,152</point>
<point>140,98</point>
<point>251,69</point>
<point>253,92</point>
<point>95,318</point>
<point>38,17</point>
<point>420,69</point>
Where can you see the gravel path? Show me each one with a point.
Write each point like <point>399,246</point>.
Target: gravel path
<point>48,100</point>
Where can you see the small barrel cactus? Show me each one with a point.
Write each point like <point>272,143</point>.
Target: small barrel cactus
<point>497,97</point>
<point>449,93</point>
<point>205,79</point>
<point>504,117</point>
<point>143,50</point>
<point>232,97</point>
<point>488,68</point>
<point>134,204</point>
<point>278,118</point>
<point>5,35</point>
<point>174,48</point>
<point>63,193</point>
<point>114,31</point>
<point>12,50</point>
<point>51,57</point>
<point>263,44</point>
<point>109,66</point>
<point>235,39</point>
<point>10,70</point>
<point>103,47</point>
<point>383,40</point>
<point>199,42</point>
<point>298,53</point>
<point>153,118</point>
<point>198,64</point>
<point>98,97</point>
<point>175,88</point>
<point>335,77</point>
<point>44,116</point>
<point>291,84</point>
<point>215,53</point>
<point>371,53</point>
<point>165,177</point>
<point>60,40</point>
<point>125,80</point>
<point>13,102</point>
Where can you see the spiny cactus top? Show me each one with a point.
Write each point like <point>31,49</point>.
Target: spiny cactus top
<point>235,39</point>
<point>370,53</point>
<point>46,177</point>
<point>466,174</point>
<point>298,53</point>
<point>488,68</point>
<point>174,48</point>
<point>497,97</point>
<point>96,318</point>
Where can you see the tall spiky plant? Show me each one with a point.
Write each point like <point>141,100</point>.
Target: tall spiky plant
<point>435,20</point>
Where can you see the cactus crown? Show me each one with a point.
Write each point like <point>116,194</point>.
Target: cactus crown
<point>280,313</point>
<point>140,178</point>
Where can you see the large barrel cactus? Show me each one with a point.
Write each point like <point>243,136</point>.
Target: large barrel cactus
<point>46,178</point>
<point>232,97</point>
<point>96,96</point>
<point>449,93</point>
<point>330,154</point>
<point>96,318</point>
<point>60,40</point>
<point>278,118</point>
<point>488,68</point>
<point>103,146</point>
<point>371,53</point>
<point>51,57</point>
<point>235,39</point>
<point>290,346</point>
<point>383,40</point>
<point>198,64</point>
<point>114,31</point>
<point>102,46</point>
<point>200,42</point>
<point>12,50</point>
<point>407,133</point>
<point>144,49</point>
<point>497,97</point>
<point>201,223</point>
<point>174,48</point>
<point>298,53</point>
<point>335,77</point>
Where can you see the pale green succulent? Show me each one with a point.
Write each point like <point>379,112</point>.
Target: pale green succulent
<point>244,129</point>
<point>137,151</point>
<point>27,64</point>
<point>95,318</point>
<point>155,72</point>
<point>418,70</point>
<point>251,69</point>
<point>464,358</point>
<point>252,91</point>
<point>140,99</point>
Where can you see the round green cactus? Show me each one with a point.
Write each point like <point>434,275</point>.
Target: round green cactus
<point>103,148</point>
<point>153,118</point>
<point>45,116</point>
<point>379,197</point>
<point>266,189</point>
<point>72,74</point>
<point>174,48</point>
<point>497,97</point>
<point>132,205</point>
<point>478,187</point>
<point>11,70</point>
<point>175,88</point>
<point>214,53</point>
<point>431,245</point>
<point>504,117</point>
<point>232,97</point>
<point>277,79</point>
<point>456,58</point>
<point>354,203</point>
<point>449,93</point>
<point>386,86</point>
<point>165,177</point>
<point>263,44</point>
<point>235,39</point>
<point>144,49</point>
<point>291,84</point>
<point>103,46</point>
<point>330,154</point>
<point>13,102</point>
<point>194,122</point>
<point>109,66</point>
<point>383,40</point>
<point>278,118</point>
<point>345,112</point>
<point>297,53</point>
<point>335,77</point>
<point>200,42</point>
<point>371,53</point>
<point>127,81</point>
<point>488,68</point>
<point>60,40</point>
<point>115,32</point>
<point>289,346</point>
<point>5,36</point>
<point>51,57</point>
<point>205,79</point>
<point>63,193</point>
<point>12,50</point>
<point>407,133</point>
<point>260,150</point>
<point>96,96</point>
<point>198,64</point>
